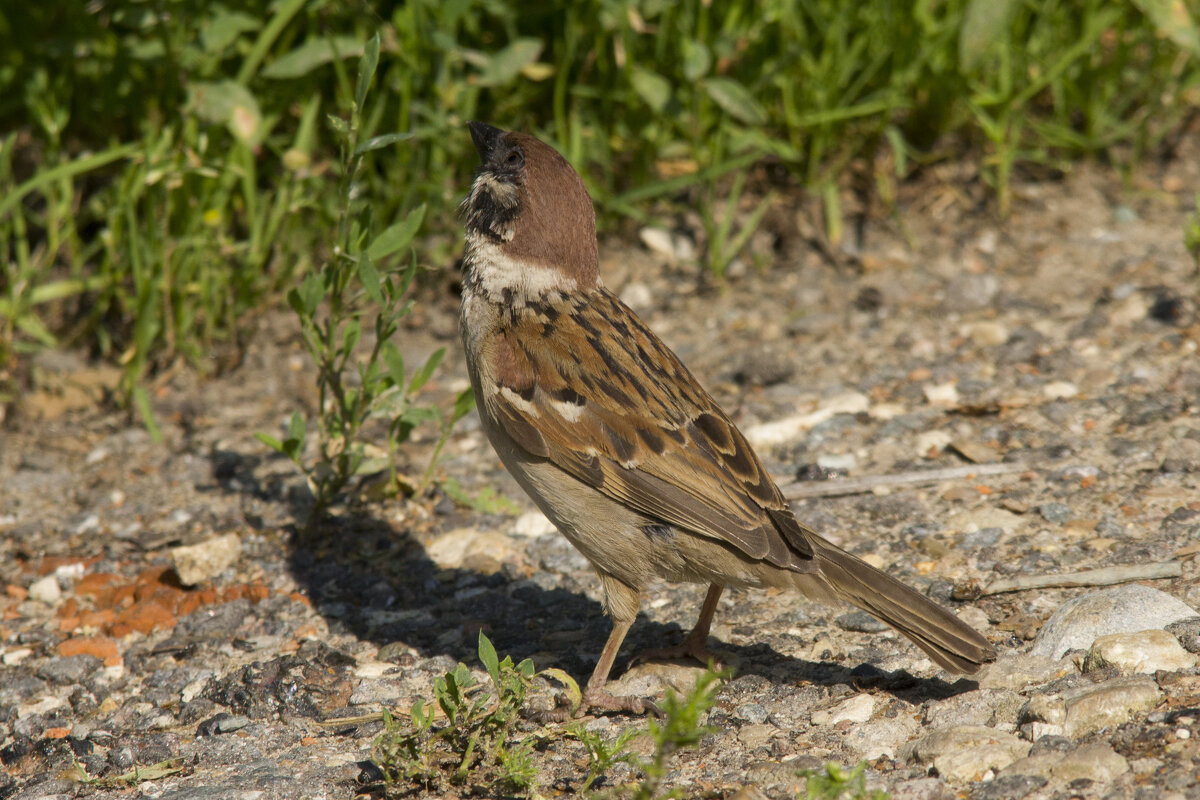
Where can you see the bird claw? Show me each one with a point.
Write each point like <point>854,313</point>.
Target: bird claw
<point>597,701</point>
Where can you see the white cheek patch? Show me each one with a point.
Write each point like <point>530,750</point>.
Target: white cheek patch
<point>509,280</point>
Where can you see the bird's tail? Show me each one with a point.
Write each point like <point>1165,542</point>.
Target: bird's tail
<point>951,643</point>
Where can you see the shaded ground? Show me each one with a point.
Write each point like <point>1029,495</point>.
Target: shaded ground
<point>1063,340</point>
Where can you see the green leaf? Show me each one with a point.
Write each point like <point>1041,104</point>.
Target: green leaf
<point>574,695</point>
<point>394,362</point>
<point>230,104</point>
<point>1172,19</point>
<point>223,29</point>
<point>372,283</point>
<point>296,427</point>
<point>142,401</point>
<point>398,235</point>
<point>270,441</point>
<point>422,375</point>
<point>502,67</point>
<point>735,100</point>
<point>311,290</point>
<point>651,87</point>
<point>315,52</point>
<point>463,404</point>
<point>377,142</point>
<point>985,22</point>
<point>487,655</point>
<point>366,70</point>
<point>696,60</point>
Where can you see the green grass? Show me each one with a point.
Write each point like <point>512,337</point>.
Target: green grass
<point>169,167</point>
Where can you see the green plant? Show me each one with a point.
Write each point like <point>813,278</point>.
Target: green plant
<point>134,776</point>
<point>680,727</point>
<point>837,782</point>
<point>1191,235</point>
<point>475,746</point>
<point>335,304</point>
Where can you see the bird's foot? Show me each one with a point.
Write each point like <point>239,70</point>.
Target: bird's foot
<point>688,648</point>
<point>597,700</point>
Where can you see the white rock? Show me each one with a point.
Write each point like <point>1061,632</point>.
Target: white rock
<point>942,394</point>
<point>784,430</point>
<point>964,753</point>
<point>200,562</point>
<point>1107,705</point>
<point>932,440</point>
<point>658,241</point>
<point>846,462</point>
<point>855,709</point>
<point>1016,671</point>
<point>45,590</point>
<point>637,295</point>
<point>13,657</point>
<point>1144,652</point>
<point>1125,609</point>
<point>987,332</point>
<point>880,738</point>
<point>532,524</point>
<point>1059,390</point>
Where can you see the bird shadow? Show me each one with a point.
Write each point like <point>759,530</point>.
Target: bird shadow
<point>373,580</point>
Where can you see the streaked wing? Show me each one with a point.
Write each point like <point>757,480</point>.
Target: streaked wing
<point>603,399</point>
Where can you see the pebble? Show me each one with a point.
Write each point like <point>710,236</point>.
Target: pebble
<point>70,670</point>
<point>532,524</point>
<point>1141,652</point>
<point>1125,609</point>
<point>963,753</point>
<point>883,737</point>
<point>204,561</point>
<point>855,709</point>
<point>1054,512</point>
<point>987,333</point>
<point>482,551</point>
<point>1086,709</point>
<point>932,441</point>
<point>860,621</point>
<point>770,434</point>
<point>922,789</point>
<point>942,394</point>
<point>45,590</point>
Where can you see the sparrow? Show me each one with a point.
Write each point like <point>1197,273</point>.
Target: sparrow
<point>617,443</point>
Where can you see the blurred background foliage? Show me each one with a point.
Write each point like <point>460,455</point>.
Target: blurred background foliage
<point>167,167</point>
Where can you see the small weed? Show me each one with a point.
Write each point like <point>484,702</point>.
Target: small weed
<point>475,745</point>
<point>679,728</point>
<point>839,783</point>
<point>1191,235</point>
<point>333,311</point>
<point>134,776</point>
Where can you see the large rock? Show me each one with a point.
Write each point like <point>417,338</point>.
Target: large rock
<point>1086,709</point>
<point>1141,652</point>
<point>964,753</point>
<point>1126,609</point>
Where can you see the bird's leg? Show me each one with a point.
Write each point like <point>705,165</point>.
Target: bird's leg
<point>695,644</point>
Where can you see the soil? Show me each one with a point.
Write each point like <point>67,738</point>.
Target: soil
<point>1062,340</point>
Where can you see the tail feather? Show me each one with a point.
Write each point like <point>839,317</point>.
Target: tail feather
<point>951,643</point>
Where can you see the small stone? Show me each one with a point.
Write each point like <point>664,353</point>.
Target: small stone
<point>651,678</point>
<point>658,241</point>
<point>1125,609</point>
<point>201,562</point>
<point>757,735</point>
<point>1107,705</point>
<point>1183,455</point>
<point>932,442</point>
<point>532,524</point>
<point>101,647</point>
<point>482,551</point>
<point>1054,512</point>
<point>70,670</point>
<point>854,709</point>
<point>942,394</point>
<point>1141,652</point>
<point>843,462</point>
<point>988,333</point>
<point>1095,762</point>
<point>882,737</point>
<point>754,713</point>
<point>637,296</point>
<point>996,708</point>
<point>963,753</point>
<point>45,590</point>
<point>1059,390</point>
<point>860,621</point>
<point>222,723</point>
<point>922,789</point>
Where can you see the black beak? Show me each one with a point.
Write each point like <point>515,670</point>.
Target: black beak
<point>485,137</point>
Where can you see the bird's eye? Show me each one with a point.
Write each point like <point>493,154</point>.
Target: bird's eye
<point>513,159</point>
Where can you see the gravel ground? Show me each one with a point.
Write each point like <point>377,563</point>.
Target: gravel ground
<point>160,607</point>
